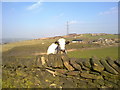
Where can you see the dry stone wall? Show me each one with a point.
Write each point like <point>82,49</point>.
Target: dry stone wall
<point>60,71</point>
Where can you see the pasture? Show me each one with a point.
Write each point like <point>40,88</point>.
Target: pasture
<point>30,48</point>
<point>97,52</point>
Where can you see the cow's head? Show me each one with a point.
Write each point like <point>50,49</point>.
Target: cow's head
<point>62,42</point>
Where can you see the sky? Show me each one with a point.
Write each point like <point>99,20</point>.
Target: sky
<point>47,19</point>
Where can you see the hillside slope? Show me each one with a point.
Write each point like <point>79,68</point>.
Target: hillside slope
<point>30,48</point>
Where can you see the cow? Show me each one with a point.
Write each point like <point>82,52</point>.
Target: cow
<point>58,47</point>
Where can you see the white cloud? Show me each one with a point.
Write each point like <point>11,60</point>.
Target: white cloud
<point>35,5</point>
<point>73,22</point>
<point>112,10</point>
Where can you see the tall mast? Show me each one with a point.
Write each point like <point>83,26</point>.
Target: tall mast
<point>67,28</point>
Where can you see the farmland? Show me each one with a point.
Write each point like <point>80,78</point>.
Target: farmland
<point>36,47</point>
<point>98,52</point>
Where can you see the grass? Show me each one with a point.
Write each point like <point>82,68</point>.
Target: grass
<point>98,52</point>
<point>85,37</point>
<point>30,50</point>
<point>28,43</point>
<point>81,45</point>
<point>26,48</point>
<point>29,47</point>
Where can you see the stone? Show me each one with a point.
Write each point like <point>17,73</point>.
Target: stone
<point>99,81</point>
<point>113,65</point>
<point>32,72</point>
<point>68,84</point>
<point>82,84</point>
<point>90,76</point>
<point>108,67</point>
<point>64,57</point>
<point>93,85</point>
<point>63,71</point>
<point>9,61</point>
<point>111,80</point>
<point>110,84</point>
<point>109,75</point>
<point>75,65</point>
<point>38,62</point>
<point>68,66</point>
<point>86,63</point>
<point>117,62</point>
<point>58,62</point>
<point>50,62</point>
<point>96,65</point>
<point>80,62</point>
<point>41,61</point>
<point>94,72</point>
<point>73,73</point>
<point>21,73</point>
<point>55,61</point>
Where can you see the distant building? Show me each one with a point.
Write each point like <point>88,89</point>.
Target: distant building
<point>98,34</point>
<point>77,41</point>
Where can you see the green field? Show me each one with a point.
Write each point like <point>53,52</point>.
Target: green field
<point>98,52</point>
<point>29,48</point>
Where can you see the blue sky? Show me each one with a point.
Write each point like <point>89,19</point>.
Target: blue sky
<point>46,19</point>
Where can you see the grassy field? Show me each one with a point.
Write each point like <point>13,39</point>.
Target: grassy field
<point>9,46</point>
<point>31,47</point>
<point>98,52</point>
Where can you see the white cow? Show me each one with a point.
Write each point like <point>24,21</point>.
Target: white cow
<point>58,46</point>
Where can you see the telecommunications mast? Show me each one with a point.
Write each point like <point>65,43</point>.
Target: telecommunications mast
<point>67,28</point>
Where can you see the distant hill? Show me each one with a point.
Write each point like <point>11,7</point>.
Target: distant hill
<point>10,40</point>
<point>72,35</point>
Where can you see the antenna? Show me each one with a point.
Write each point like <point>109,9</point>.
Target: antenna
<point>67,28</point>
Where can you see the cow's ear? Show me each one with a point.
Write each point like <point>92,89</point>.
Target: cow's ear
<point>67,42</point>
<point>56,42</point>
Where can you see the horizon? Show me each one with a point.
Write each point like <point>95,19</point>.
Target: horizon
<point>11,40</point>
<point>48,19</point>
<point>59,35</point>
